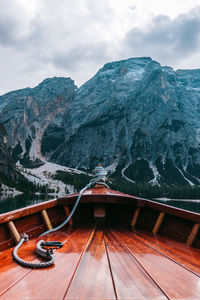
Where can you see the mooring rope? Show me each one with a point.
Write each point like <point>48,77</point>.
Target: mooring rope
<point>44,253</point>
<point>99,178</point>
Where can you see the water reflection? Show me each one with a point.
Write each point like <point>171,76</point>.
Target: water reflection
<point>191,205</point>
<point>12,203</point>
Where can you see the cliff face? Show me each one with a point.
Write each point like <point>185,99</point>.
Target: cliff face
<point>139,117</point>
<point>27,114</point>
<point>141,120</point>
<point>7,167</point>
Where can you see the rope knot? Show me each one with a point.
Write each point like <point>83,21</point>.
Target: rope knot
<point>100,173</point>
<point>25,237</point>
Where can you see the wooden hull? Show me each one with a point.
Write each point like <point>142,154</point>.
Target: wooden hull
<point>116,247</point>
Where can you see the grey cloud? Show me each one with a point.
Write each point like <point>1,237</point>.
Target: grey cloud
<point>72,59</point>
<point>75,38</point>
<point>166,39</point>
<point>8,27</point>
<point>55,40</point>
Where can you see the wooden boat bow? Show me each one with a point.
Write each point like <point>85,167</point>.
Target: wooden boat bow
<point>116,246</point>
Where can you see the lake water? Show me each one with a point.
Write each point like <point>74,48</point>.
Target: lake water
<point>12,203</point>
<point>20,201</point>
<point>191,205</point>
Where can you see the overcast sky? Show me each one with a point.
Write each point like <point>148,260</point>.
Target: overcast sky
<point>74,38</point>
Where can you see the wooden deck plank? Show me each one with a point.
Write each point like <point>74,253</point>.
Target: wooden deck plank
<point>186,255</point>
<point>174,280</point>
<point>131,281</point>
<point>51,283</point>
<point>92,279</point>
<point>10,271</point>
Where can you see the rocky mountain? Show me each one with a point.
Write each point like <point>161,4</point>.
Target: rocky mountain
<point>140,119</point>
<point>7,166</point>
<point>27,113</point>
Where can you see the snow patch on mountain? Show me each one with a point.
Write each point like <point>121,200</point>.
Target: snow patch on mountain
<point>43,176</point>
<point>155,180</point>
<point>111,168</point>
<point>33,153</point>
<point>190,182</point>
<point>134,74</point>
<point>123,175</point>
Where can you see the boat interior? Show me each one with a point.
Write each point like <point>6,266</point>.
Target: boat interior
<point>116,246</point>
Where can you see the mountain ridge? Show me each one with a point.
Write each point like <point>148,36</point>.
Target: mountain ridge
<point>133,114</point>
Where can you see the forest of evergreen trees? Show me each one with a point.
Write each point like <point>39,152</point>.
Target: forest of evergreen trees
<point>143,190</point>
<point>22,184</point>
<point>77,180</point>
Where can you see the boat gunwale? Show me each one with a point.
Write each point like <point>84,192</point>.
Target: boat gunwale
<point>111,198</point>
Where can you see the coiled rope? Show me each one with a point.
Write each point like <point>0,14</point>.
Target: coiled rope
<point>99,178</point>
<point>42,252</point>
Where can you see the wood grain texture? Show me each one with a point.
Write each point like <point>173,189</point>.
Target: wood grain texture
<point>158,223</point>
<point>67,212</point>
<point>131,281</point>
<point>174,280</point>
<point>135,217</point>
<point>147,218</point>
<point>10,272</point>
<point>6,240</point>
<point>92,279</point>
<point>187,256</point>
<point>102,195</point>
<point>193,234</point>
<point>46,220</point>
<point>14,232</point>
<point>50,283</point>
<point>22,212</point>
<point>176,227</point>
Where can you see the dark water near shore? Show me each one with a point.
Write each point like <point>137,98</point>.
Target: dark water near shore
<point>12,203</point>
<point>20,201</point>
<point>191,205</point>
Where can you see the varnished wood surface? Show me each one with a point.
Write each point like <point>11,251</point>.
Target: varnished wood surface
<point>93,279</point>
<point>10,271</point>
<point>131,281</point>
<point>174,280</point>
<point>104,262</point>
<point>51,283</point>
<point>176,222</point>
<point>22,212</point>
<point>187,256</point>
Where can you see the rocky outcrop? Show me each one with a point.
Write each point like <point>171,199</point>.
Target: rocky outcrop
<point>27,114</point>
<point>7,167</point>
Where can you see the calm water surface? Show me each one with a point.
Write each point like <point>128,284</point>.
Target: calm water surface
<point>12,203</point>
<point>20,201</point>
<point>191,205</point>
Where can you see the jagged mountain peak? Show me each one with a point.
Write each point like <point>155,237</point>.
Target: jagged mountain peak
<point>131,62</point>
<point>55,82</point>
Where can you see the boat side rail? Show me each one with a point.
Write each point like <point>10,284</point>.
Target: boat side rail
<point>25,211</point>
<point>99,198</point>
<point>144,214</point>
